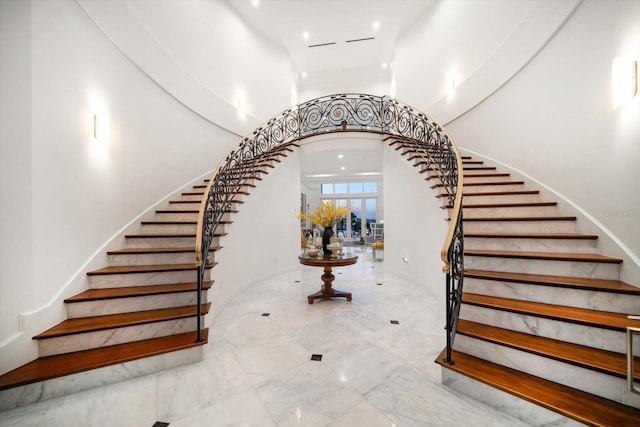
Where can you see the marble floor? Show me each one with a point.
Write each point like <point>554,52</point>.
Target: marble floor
<point>376,369</point>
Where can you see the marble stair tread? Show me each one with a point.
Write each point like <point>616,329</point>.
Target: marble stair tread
<point>524,218</point>
<point>502,205</point>
<point>569,402</point>
<point>133,269</point>
<point>486,183</point>
<point>110,321</point>
<point>550,256</point>
<point>583,283</point>
<point>50,367</point>
<point>557,236</point>
<point>136,291</point>
<point>596,318</point>
<point>604,361</point>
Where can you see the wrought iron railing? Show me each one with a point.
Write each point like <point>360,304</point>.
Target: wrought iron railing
<point>339,113</point>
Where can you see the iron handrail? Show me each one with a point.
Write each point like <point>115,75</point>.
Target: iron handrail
<point>339,113</point>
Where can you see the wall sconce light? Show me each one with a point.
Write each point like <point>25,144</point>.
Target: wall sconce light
<point>624,80</point>
<point>101,127</point>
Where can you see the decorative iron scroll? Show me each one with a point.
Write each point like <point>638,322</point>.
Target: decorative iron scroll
<point>338,113</point>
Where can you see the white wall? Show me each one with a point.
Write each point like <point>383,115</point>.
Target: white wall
<point>265,235</point>
<point>554,121</point>
<point>414,225</point>
<point>65,197</point>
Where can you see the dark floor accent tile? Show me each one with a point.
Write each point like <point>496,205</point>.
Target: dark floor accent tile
<point>379,284</point>
<point>317,357</point>
<point>265,314</point>
<point>395,322</point>
<point>297,281</point>
<point>160,424</point>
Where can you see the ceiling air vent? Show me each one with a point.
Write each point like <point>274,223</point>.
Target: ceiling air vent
<point>322,44</point>
<point>360,40</point>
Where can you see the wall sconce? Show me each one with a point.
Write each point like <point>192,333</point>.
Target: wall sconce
<point>101,127</point>
<point>624,80</point>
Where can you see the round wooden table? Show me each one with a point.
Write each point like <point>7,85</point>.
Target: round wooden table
<point>327,291</point>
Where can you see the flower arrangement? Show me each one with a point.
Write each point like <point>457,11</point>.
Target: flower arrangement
<point>327,214</point>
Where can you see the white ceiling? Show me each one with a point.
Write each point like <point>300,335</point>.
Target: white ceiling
<point>334,21</point>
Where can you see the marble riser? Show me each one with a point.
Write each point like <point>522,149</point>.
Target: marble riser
<point>510,198</point>
<point>604,301</point>
<point>190,198</point>
<point>166,242</point>
<point>155,259</point>
<point>532,245</point>
<point>594,270</point>
<point>509,212</point>
<point>505,402</point>
<point>520,226</point>
<point>142,279</point>
<point>177,205</point>
<point>132,304</point>
<point>597,383</point>
<point>97,339</point>
<point>590,336</point>
<point>57,387</point>
<point>175,228</point>
<point>488,187</point>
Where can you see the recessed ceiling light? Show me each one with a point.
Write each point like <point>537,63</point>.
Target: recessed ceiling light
<point>305,35</point>
<point>255,2</point>
<point>384,65</point>
<point>376,25</point>
<point>303,74</point>
<point>342,168</point>
<point>340,156</point>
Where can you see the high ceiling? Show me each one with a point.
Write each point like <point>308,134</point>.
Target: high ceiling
<point>342,34</point>
<point>347,36</point>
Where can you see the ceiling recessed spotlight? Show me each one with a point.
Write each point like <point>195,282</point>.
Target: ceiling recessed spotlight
<point>303,74</point>
<point>340,156</point>
<point>376,25</point>
<point>342,168</point>
<point>255,2</point>
<point>305,35</point>
<point>384,65</point>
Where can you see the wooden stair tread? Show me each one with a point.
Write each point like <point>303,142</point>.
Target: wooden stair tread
<point>496,193</point>
<point>503,205</point>
<point>50,367</point>
<point>582,316</point>
<point>136,291</point>
<point>171,235</point>
<point>109,321</point>
<point>551,256</point>
<point>607,362</point>
<point>130,269</point>
<point>523,218</point>
<point>570,402</point>
<point>187,211</point>
<point>602,285</point>
<point>178,222</point>
<point>507,235</point>
<point>200,201</point>
<point>138,251</point>
<point>486,183</point>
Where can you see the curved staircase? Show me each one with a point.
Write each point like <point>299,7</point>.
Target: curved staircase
<point>544,316</point>
<point>139,314</point>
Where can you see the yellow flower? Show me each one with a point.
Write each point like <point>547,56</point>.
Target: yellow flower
<point>327,214</point>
